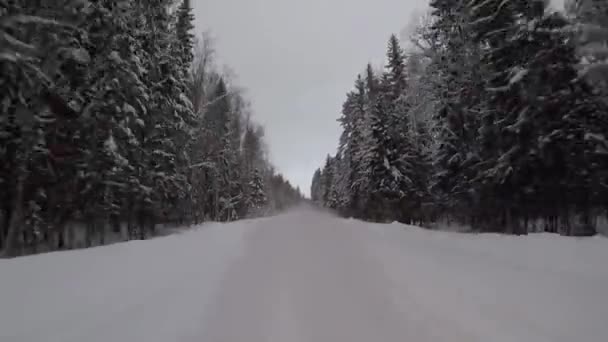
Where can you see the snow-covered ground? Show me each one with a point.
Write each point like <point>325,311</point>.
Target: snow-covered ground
<point>155,290</point>
<point>308,276</point>
<point>539,288</point>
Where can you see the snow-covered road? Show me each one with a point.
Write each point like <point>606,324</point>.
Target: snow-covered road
<point>307,276</point>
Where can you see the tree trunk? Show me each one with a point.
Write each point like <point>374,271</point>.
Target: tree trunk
<point>142,224</point>
<point>4,222</point>
<point>16,220</point>
<point>12,173</point>
<point>102,228</point>
<point>88,233</point>
<point>61,239</point>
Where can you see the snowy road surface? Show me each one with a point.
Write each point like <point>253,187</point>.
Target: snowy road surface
<point>306,276</point>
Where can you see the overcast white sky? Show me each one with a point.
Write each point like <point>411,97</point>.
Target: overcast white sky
<point>298,59</point>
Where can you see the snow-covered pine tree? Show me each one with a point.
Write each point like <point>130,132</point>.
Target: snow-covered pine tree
<point>315,188</point>
<point>328,182</point>
<point>254,162</point>
<point>394,158</point>
<point>23,120</point>
<point>456,83</point>
<point>569,118</point>
<point>360,146</point>
<point>170,116</point>
<point>538,114</point>
<point>340,192</point>
<point>411,162</point>
<point>185,38</point>
<point>257,199</point>
<point>385,179</point>
<point>237,181</point>
<point>346,149</point>
<point>113,124</point>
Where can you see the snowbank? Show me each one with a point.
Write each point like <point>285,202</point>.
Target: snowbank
<point>133,291</point>
<point>488,287</point>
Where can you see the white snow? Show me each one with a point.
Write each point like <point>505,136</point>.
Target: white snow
<point>110,144</point>
<point>115,57</point>
<point>518,75</point>
<point>595,137</point>
<point>155,290</point>
<point>464,287</point>
<point>80,55</point>
<point>127,108</point>
<point>307,276</point>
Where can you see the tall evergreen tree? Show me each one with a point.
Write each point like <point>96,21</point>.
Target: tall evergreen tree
<point>185,38</point>
<point>327,182</point>
<point>459,89</point>
<point>315,190</point>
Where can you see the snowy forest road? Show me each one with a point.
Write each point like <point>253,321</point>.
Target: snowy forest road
<point>308,276</point>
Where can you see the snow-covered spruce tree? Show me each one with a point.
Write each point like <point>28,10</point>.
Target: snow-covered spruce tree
<point>112,126</point>
<point>373,154</point>
<point>185,38</point>
<point>538,114</point>
<point>344,185</point>
<point>359,148</point>
<point>493,29</point>
<point>233,200</point>
<point>315,188</point>
<point>412,163</point>
<point>456,81</point>
<point>346,147</point>
<point>254,164</point>
<point>392,155</point>
<point>256,199</point>
<point>23,119</point>
<point>88,55</point>
<point>57,173</point>
<point>328,181</point>
<point>171,112</point>
<point>333,197</point>
<point>385,188</point>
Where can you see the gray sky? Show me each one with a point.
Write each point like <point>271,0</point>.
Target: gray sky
<point>298,59</point>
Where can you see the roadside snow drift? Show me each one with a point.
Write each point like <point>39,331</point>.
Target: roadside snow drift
<point>155,290</point>
<point>534,288</point>
<point>307,276</point>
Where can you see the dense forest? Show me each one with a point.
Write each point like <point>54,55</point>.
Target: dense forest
<point>494,117</point>
<point>115,121</point>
